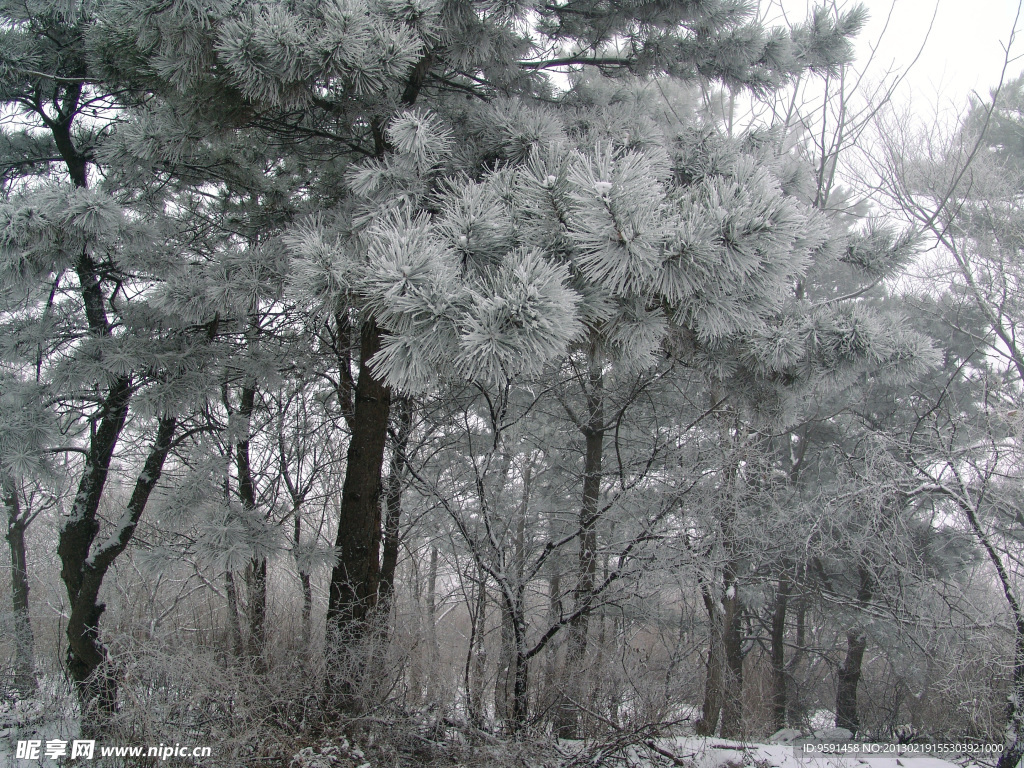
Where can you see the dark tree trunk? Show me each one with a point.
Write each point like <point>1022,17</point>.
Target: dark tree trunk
<point>583,597</point>
<point>732,646</point>
<point>304,580</point>
<point>256,571</point>
<point>793,702</point>
<point>521,669</point>
<point>76,538</point>
<point>256,610</point>
<point>354,586</point>
<point>432,591</point>
<point>393,506</point>
<point>24,642</point>
<point>97,689</point>
<point>355,578</point>
<point>711,709</point>
<point>307,610</point>
<point>505,683</point>
<point>848,677</point>
<point>723,685</point>
<point>778,650</point>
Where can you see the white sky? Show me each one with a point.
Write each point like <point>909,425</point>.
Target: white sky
<point>964,51</point>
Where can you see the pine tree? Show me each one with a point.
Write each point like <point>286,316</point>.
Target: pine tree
<point>272,61</point>
<point>79,309</point>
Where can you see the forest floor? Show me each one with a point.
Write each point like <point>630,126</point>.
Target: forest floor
<point>405,742</point>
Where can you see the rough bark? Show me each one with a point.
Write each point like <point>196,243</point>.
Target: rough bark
<point>793,666</point>
<point>504,685</point>
<point>732,673</point>
<point>256,571</point>
<point>583,597</point>
<point>393,505</point>
<point>778,650</point>
<point>848,677</point>
<point>256,609</point>
<point>24,642</point>
<point>711,708</point>
<point>97,689</point>
<point>521,669</point>
<point>355,578</point>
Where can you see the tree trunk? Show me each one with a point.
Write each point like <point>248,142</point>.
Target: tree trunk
<point>84,570</point>
<point>711,709</point>
<point>256,613</point>
<point>307,610</point>
<point>520,667</point>
<point>432,650</point>
<point>848,677</point>
<point>583,597</point>
<point>504,684</point>
<point>476,661</point>
<point>393,507</point>
<point>355,578</point>
<point>793,702</point>
<point>304,580</point>
<point>778,650</point>
<point>256,571</point>
<point>732,672</point>
<point>24,643</point>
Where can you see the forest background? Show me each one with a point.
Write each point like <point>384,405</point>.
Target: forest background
<point>464,376</point>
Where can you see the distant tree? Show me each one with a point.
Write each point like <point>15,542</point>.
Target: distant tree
<point>963,190</point>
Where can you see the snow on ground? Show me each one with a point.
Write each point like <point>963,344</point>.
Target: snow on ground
<point>55,719</point>
<point>47,717</point>
<point>722,753</point>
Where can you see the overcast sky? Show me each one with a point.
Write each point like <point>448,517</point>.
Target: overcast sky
<point>964,51</point>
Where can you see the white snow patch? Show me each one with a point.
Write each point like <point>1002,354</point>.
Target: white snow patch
<point>723,753</point>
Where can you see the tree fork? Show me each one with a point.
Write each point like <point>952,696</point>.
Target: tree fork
<point>86,653</point>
